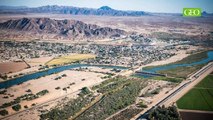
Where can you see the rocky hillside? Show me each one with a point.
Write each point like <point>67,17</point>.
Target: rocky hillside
<point>103,11</point>
<point>67,29</point>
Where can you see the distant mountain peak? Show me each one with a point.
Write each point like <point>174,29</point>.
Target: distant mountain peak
<point>102,11</point>
<point>105,8</point>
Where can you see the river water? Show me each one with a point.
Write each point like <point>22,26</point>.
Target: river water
<point>172,66</point>
<point>36,75</point>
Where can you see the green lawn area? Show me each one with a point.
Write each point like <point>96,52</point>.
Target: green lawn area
<point>200,97</point>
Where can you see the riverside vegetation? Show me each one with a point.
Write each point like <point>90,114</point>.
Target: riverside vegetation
<point>182,72</point>
<point>117,93</point>
<point>27,97</point>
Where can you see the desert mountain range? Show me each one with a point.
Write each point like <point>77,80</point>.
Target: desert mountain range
<point>68,29</point>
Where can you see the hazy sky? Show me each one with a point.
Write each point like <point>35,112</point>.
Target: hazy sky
<point>171,6</point>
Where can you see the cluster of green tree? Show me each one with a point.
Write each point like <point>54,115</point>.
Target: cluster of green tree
<point>64,75</point>
<point>105,77</point>
<point>59,77</point>
<point>3,112</point>
<point>142,105</point>
<point>4,77</point>
<point>110,81</point>
<point>26,106</point>
<point>116,70</point>
<point>9,103</point>
<point>57,88</point>
<point>162,113</point>
<point>27,97</point>
<point>113,102</point>
<point>151,93</point>
<point>16,107</point>
<point>42,93</point>
<point>112,86</point>
<point>67,110</point>
<point>109,75</point>
<point>43,67</point>
<point>3,91</point>
<point>84,91</point>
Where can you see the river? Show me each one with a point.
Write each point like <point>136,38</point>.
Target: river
<point>172,66</point>
<point>37,75</point>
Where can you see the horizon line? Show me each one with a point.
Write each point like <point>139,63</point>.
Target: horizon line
<point>91,8</point>
<point>100,7</point>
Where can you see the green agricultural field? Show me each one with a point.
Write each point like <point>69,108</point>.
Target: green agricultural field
<point>207,82</point>
<point>200,97</point>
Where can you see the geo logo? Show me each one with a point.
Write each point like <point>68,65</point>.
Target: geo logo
<point>192,12</point>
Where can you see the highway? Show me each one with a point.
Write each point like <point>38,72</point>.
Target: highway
<point>192,79</point>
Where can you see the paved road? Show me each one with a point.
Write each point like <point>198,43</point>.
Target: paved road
<point>193,80</point>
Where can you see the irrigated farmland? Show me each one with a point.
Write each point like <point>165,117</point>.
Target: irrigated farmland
<point>200,97</point>
<point>206,83</point>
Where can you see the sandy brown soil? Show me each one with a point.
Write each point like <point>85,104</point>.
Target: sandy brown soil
<point>34,112</point>
<point>165,87</point>
<point>38,61</point>
<point>80,78</point>
<point>16,68</point>
<point>7,67</point>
